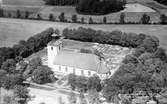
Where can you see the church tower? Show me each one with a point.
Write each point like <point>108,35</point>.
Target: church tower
<point>53,50</point>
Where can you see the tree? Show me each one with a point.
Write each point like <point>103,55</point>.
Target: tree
<point>104,20</point>
<point>18,14</point>
<point>144,76</point>
<point>161,53</point>
<point>90,20</point>
<point>163,19</point>
<point>22,94</point>
<point>35,62</point>
<point>39,17</point>
<point>74,18</point>
<point>9,66</point>
<point>1,12</point>
<point>145,19</point>
<point>72,81</point>
<point>42,75</point>
<point>97,7</point>
<point>9,15</point>
<point>27,14</point>
<point>122,18</point>
<point>57,32</point>
<point>94,83</point>
<point>93,97</point>
<point>51,17</point>
<point>10,81</point>
<point>8,99</point>
<point>82,20</point>
<point>82,99</point>
<point>62,17</point>
<point>150,44</point>
<point>72,98</point>
<point>21,67</point>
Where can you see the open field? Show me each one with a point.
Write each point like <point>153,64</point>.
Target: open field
<point>13,30</point>
<point>132,14</point>
<point>24,2</point>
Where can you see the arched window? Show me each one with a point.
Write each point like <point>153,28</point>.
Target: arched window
<point>82,72</point>
<point>51,48</point>
<point>73,70</point>
<point>59,47</point>
<point>89,73</point>
<point>59,68</point>
<point>66,69</point>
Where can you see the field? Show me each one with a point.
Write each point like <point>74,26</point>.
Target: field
<point>13,30</point>
<point>113,17</point>
<point>38,7</point>
<point>24,2</point>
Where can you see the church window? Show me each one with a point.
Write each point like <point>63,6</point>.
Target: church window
<point>51,48</point>
<point>82,72</point>
<point>59,47</point>
<point>74,71</point>
<point>66,69</point>
<point>59,68</point>
<point>89,73</point>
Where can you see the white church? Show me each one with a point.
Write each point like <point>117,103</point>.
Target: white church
<point>65,62</point>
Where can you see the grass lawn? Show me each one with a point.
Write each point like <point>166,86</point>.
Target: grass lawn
<point>13,30</point>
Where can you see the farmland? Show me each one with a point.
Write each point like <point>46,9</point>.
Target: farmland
<point>132,15</point>
<point>13,30</point>
<point>24,2</point>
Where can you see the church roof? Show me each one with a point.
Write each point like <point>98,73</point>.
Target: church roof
<point>80,60</point>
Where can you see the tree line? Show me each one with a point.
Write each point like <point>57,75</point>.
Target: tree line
<point>61,2</point>
<point>145,18</point>
<point>162,1</point>
<point>114,37</point>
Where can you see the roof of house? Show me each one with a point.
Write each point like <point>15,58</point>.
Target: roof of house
<point>80,60</point>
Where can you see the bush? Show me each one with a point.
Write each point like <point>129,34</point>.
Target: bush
<point>82,20</point>
<point>1,12</point>
<point>122,18</point>
<point>104,20</point>
<point>43,75</point>
<point>145,19</point>
<point>39,17</point>
<point>74,18</point>
<point>27,14</point>
<point>51,17</point>
<point>90,20</point>
<point>62,17</point>
<point>163,19</point>
<point>18,14</point>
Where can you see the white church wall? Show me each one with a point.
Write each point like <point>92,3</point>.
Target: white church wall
<point>70,70</point>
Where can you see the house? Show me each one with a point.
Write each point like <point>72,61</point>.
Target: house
<point>67,61</point>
